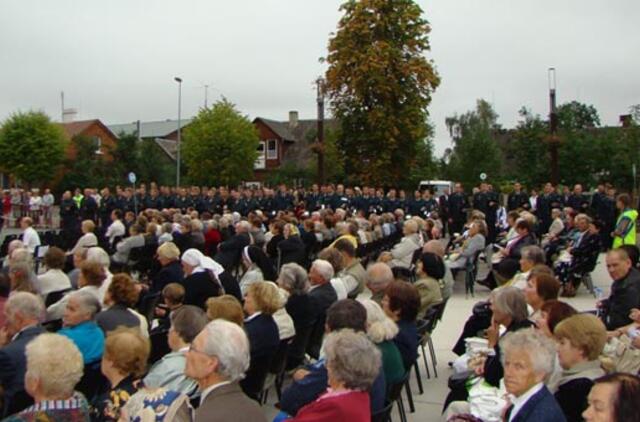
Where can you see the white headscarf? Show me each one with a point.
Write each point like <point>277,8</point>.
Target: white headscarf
<point>197,259</point>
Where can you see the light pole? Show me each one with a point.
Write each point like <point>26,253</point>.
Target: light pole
<point>553,127</point>
<point>179,80</point>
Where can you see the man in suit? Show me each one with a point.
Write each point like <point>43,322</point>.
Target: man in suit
<point>229,251</point>
<point>529,358</point>
<point>23,311</point>
<point>458,205</point>
<point>518,198</point>
<point>323,295</point>
<point>217,359</point>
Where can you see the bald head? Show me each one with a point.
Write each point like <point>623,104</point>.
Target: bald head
<point>379,276</point>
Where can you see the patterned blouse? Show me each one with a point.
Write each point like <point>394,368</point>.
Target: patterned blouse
<point>106,407</point>
<point>74,409</point>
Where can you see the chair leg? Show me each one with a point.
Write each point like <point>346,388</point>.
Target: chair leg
<point>264,397</point>
<point>426,364</point>
<point>432,350</point>
<point>401,411</point>
<point>407,387</point>
<point>416,366</point>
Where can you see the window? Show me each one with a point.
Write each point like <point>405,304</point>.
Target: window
<point>98,143</point>
<point>259,163</point>
<point>272,149</point>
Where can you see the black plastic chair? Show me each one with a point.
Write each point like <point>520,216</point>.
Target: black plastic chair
<point>299,346</point>
<point>159,345</point>
<point>253,382</point>
<point>394,395</point>
<point>277,369</point>
<point>92,382</point>
<point>471,273</point>
<point>54,297</point>
<point>384,414</point>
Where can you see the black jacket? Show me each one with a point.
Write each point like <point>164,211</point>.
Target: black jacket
<point>170,273</point>
<point>229,251</point>
<point>540,407</point>
<point>625,295</point>
<point>572,398</point>
<point>198,287</point>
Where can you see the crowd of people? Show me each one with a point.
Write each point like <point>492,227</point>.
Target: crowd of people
<point>190,304</point>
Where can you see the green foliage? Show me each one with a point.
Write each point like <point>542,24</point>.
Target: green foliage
<point>220,146</point>
<point>575,116</point>
<point>31,146</point>
<point>380,84</point>
<point>87,168</point>
<point>475,148</point>
<point>527,150</point>
<point>154,165</point>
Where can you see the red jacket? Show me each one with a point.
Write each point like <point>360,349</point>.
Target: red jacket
<point>352,406</point>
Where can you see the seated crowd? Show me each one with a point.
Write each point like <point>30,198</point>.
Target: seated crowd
<point>187,314</point>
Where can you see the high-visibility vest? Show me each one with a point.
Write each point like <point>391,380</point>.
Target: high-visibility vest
<point>630,237</point>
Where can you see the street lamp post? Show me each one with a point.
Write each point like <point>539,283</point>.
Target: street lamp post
<point>178,145</point>
<point>553,127</point>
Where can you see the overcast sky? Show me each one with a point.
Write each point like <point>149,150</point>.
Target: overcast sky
<point>115,60</point>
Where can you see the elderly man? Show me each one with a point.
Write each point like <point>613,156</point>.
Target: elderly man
<point>625,290</point>
<point>323,295</point>
<point>123,249</point>
<point>353,273</point>
<point>51,379</point>
<point>230,251</point>
<point>402,253</point>
<point>30,236</point>
<point>379,276</point>
<point>217,359</point>
<point>23,313</point>
<point>436,247</point>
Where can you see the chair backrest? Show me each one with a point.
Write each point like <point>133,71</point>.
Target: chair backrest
<point>279,361</point>
<point>299,346</point>
<point>394,390</point>
<point>382,415</point>
<point>159,345</point>
<point>92,382</point>
<point>135,254</point>
<point>54,297</point>
<point>253,382</point>
<point>148,304</point>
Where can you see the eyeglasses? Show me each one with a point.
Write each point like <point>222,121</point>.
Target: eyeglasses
<point>193,349</point>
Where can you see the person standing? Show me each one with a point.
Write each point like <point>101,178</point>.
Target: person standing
<point>458,205</point>
<point>625,231</point>
<point>47,206</point>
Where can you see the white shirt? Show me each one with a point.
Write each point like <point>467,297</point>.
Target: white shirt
<point>210,388</point>
<point>30,239</point>
<point>52,281</point>
<point>114,230</point>
<point>519,402</point>
<point>340,288</point>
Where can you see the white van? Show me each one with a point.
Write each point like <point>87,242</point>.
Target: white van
<point>436,187</point>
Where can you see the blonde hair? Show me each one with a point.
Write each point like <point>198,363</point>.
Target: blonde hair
<point>585,332</point>
<point>225,307</point>
<point>169,250</point>
<point>265,296</point>
<point>58,372</point>
<point>127,350</point>
<point>89,226</point>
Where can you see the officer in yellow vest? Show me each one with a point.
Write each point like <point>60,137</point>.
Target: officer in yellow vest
<point>625,231</point>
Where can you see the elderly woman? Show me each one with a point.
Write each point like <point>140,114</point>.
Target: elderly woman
<point>353,363</point>
<point>257,267</point>
<point>91,277</point>
<point>381,330</point>
<point>402,253</point>
<point>401,303</point>
<point>168,256</point>
<point>51,379</point>
<point>530,257</point>
<point>80,327</point>
<point>294,279</point>
<point>225,307</point>
<point>20,278</point>
<point>614,398</point>
<point>186,324</point>
<point>580,339</point>
<point>260,302</point>
<point>54,279</point>
<point>124,361</point>
<point>100,256</point>
<point>292,249</point>
<point>430,270</point>
<point>121,296</point>
<point>540,289</point>
<point>201,278</point>
<point>88,239</point>
<point>552,313</point>
<point>474,244</point>
<point>528,359</point>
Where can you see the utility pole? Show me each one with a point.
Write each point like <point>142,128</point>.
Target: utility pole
<point>62,105</point>
<point>178,144</point>
<point>206,96</point>
<point>553,127</point>
<point>320,100</point>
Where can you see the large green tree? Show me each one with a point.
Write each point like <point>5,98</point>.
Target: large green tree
<point>31,146</point>
<point>220,146</point>
<point>475,149</point>
<point>380,83</point>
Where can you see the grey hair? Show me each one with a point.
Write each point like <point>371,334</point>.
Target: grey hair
<point>58,372</point>
<point>541,349</point>
<point>379,275</point>
<point>196,225</point>
<point>229,344</point>
<point>99,256</point>
<point>325,268</point>
<point>533,253</point>
<point>87,301</point>
<point>21,256</point>
<point>15,244</point>
<point>512,302</point>
<point>244,225</point>
<point>28,304</point>
<point>584,217</point>
<point>379,326</point>
<point>293,278</point>
<point>352,358</point>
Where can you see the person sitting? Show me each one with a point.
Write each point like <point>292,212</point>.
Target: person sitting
<point>530,257</point>
<point>54,279</point>
<point>260,302</point>
<point>120,299</point>
<point>401,303</point>
<point>124,362</point>
<point>323,295</point>
<point>123,248</point>
<point>172,299</point>
<point>430,269</point>
<point>379,276</point>
<point>229,251</point>
<point>555,229</point>
<point>346,231</point>
<point>23,312</point>
<point>201,278</point>
<point>116,229</point>
<point>353,364</point>
<point>186,323</point>
<point>402,253</point>
<point>625,290</point>
<point>50,380</point>
<point>581,339</point>
<point>257,267</point>
<point>334,258</point>
<point>613,398</point>
<point>286,328</point>
<point>225,307</point>
<point>353,273</point>
<point>584,255</point>
<point>381,330</point>
<point>20,278</point>
<point>552,313</point>
<point>30,236</point>
<point>217,359</point>
<point>540,289</point>
<point>88,238</point>
<point>168,256</point>
<point>474,244</point>
<point>79,325</point>
<point>291,249</point>
<point>528,360</point>
<point>311,381</point>
<point>446,283</point>
<point>91,277</point>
